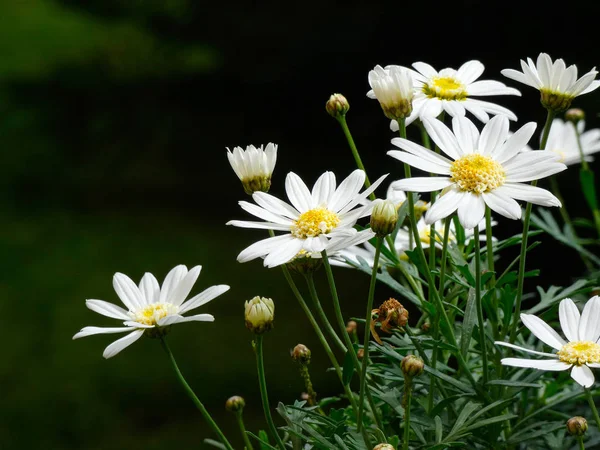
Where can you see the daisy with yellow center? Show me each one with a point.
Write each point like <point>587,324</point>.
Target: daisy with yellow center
<point>314,221</point>
<point>557,83</point>
<point>478,169</point>
<point>454,92</point>
<point>582,350</point>
<point>150,307</point>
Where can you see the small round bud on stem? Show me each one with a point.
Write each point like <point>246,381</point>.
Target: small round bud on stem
<point>337,106</point>
<point>577,426</point>
<point>384,447</point>
<point>301,354</point>
<point>574,115</point>
<point>235,404</point>
<point>412,366</point>
<point>351,327</point>
<point>259,314</point>
<point>384,217</point>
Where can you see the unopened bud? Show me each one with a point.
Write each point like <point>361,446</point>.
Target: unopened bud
<point>574,115</point>
<point>351,327</point>
<point>337,106</point>
<point>412,366</point>
<point>577,426</point>
<point>384,447</point>
<point>301,354</point>
<point>259,314</point>
<point>384,217</point>
<point>235,404</point>
<point>254,166</point>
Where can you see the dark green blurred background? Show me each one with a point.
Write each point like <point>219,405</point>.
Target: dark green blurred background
<point>114,118</point>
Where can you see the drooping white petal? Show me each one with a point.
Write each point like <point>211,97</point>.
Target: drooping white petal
<point>122,343</point>
<point>259,225</point>
<point>540,364</point>
<point>107,309</point>
<point>589,323</point>
<point>471,210</point>
<point>502,204</point>
<point>569,316</point>
<point>523,349</point>
<point>263,247</point>
<point>203,297</point>
<point>543,331</point>
<point>90,331</point>
<point>444,206</point>
<point>264,214</point>
<point>583,375</point>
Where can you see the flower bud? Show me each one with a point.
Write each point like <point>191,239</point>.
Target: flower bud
<point>301,354</point>
<point>259,314</point>
<point>337,106</point>
<point>393,87</point>
<point>412,366</point>
<point>254,166</point>
<point>384,447</point>
<point>351,327</point>
<point>384,217</point>
<point>574,115</point>
<point>577,426</point>
<point>235,404</point>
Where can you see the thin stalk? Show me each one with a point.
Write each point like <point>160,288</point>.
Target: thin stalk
<point>363,376</point>
<point>321,313</point>
<point>407,401</point>
<point>590,399</point>
<point>190,392</point>
<point>489,242</point>
<point>521,273</point>
<point>444,256</point>
<point>580,440</point>
<point>262,382</point>
<point>342,324</point>
<point>479,306</point>
<point>240,422</point>
<point>354,150</point>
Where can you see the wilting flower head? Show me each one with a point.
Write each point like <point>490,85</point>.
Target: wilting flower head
<point>151,309</point>
<point>478,169</point>
<point>453,91</point>
<point>390,314</point>
<point>259,314</point>
<point>254,166</point>
<point>317,221</point>
<point>579,353</point>
<point>393,87</point>
<point>557,83</point>
<point>562,140</point>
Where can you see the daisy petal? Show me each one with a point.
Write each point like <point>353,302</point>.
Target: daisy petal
<point>569,316</point>
<point>502,204</point>
<point>203,297</point>
<point>107,309</point>
<point>589,324</point>
<point>284,253</point>
<point>583,376</point>
<point>297,192</point>
<point>523,349</point>
<point>149,288</point>
<point>90,331</point>
<point>127,291</point>
<point>323,189</point>
<point>444,206</point>
<point>471,210</point>
<point>529,193</point>
<point>541,364</point>
<point>444,137</point>
<point>423,184</point>
<point>171,281</point>
<point>263,247</point>
<point>543,331</point>
<point>122,343</point>
<point>180,293</point>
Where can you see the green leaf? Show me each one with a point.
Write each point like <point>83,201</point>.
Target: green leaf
<point>588,186</point>
<point>348,367</point>
<point>515,384</point>
<point>464,416</point>
<point>263,440</point>
<point>490,421</point>
<point>439,429</point>
<point>555,294</point>
<point>450,380</point>
<point>468,323</point>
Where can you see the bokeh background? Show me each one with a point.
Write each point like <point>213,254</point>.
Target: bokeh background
<point>114,119</point>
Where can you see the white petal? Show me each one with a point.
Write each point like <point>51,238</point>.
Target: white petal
<point>466,134</point>
<point>541,364</point>
<point>263,247</point>
<point>444,206</point>
<point>90,331</point>
<point>425,69</point>
<point>127,291</point>
<point>284,253</point>
<point>454,108</point>
<point>583,375</point>
<point>264,214</point>
<point>515,143</point>
<point>471,210</point>
<point>419,162</point>
<point>122,343</point>
<point>423,184</point>
<point>259,225</point>
<point>432,107</point>
<point>203,297</point>
<point>176,318</point>
<point>526,350</point>
<point>470,71</point>
<point>360,198</point>
<point>107,309</point>
<point>182,290</point>
<point>275,205</point>
<point>528,193</point>
<point>297,192</point>
<point>323,189</point>
<point>589,324</point>
<point>518,76</point>
<point>568,315</point>
<point>171,281</point>
<point>149,288</point>
<point>490,87</point>
<point>347,190</point>
<point>502,204</point>
<point>493,135</point>
<point>543,331</point>
<point>444,137</point>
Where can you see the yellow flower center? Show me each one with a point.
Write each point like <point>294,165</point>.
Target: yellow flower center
<point>580,352</point>
<point>477,173</point>
<point>446,88</point>
<point>315,222</point>
<point>151,314</point>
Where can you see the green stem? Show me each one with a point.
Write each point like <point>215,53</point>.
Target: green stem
<point>240,421</point>
<point>489,242</point>
<point>407,401</point>
<point>342,324</point>
<point>479,306</point>
<point>590,399</point>
<point>322,315</point>
<point>523,254</point>
<point>189,391</point>
<point>262,382</point>
<point>580,439</point>
<point>363,377</point>
<point>359,164</point>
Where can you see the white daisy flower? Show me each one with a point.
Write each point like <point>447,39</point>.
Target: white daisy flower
<point>582,350</point>
<point>393,88</point>
<point>562,140</point>
<point>151,308</point>
<point>314,220</point>
<point>254,166</point>
<point>452,91</point>
<point>488,169</point>
<point>557,83</point>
